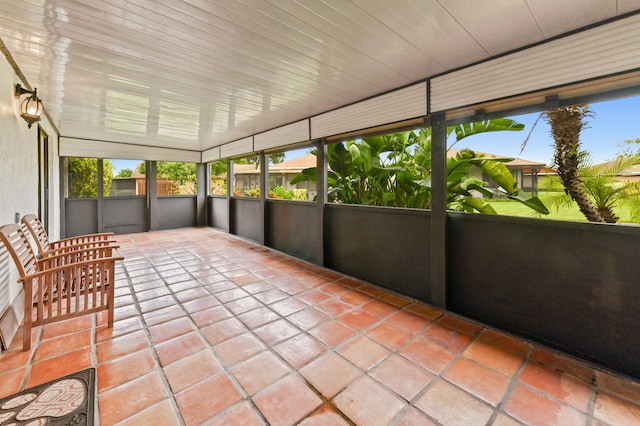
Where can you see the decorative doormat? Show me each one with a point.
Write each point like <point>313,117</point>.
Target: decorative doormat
<point>65,401</point>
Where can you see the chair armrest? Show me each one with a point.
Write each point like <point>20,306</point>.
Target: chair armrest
<point>54,258</point>
<point>68,271</point>
<point>87,238</point>
<point>97,245</point>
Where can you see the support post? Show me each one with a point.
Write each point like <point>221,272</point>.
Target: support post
<point>438,210</point>
<point>321,198</point>
<point>64,191</point>
<point>230,187</point>
<point>100,195</point>
<point>152,195</point>
<point>201,197</point>
<point>264,178</point>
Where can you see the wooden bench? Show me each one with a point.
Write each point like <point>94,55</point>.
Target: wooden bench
<point>34,226</point>
<point>73,281</point>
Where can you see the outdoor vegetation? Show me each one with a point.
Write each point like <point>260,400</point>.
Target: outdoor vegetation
<point>175,178</point>
<point>218,173</point>
<point>276,192</point>
<point>395,171</point>
<point>558,209</point>
<point>83,177</point>
<point>595,189</point>
<point>249,186</point>
<point>288,194</point>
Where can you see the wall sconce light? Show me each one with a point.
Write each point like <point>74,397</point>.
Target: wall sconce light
<point>31,108</point>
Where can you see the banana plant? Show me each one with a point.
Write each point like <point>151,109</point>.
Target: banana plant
<point>461,185</point>
<point>395,170</point>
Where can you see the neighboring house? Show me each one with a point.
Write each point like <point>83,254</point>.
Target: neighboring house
<point>525,172</point>
<point>247,176</point>
<point>628,175</point>
<point>548,171</point>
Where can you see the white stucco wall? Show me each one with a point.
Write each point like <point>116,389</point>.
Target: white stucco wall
<point>19,173</point>
<point>54,180</point>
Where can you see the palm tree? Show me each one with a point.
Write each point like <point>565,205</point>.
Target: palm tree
<point>605,192</point>
<point>566,125</point>
<point>592,187</point>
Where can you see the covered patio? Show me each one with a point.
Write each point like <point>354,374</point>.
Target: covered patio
<point>257,310</point>
<point>215,329</point>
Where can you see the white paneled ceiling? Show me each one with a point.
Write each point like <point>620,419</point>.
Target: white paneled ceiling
<point>194,74</point>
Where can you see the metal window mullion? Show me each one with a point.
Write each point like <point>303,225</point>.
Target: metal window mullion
<point>100,194</point>
<point>321,198</point>
<point>203,182</point>
<point>152,195</point>
<point>264,178</point>
<point>230,187</point>
<point>438,210</point>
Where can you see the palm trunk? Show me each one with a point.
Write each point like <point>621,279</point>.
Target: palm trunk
<point>566,125</point>
<point>608,215</point>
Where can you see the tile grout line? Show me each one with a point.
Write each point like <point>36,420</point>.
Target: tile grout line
<point>362,333</point>
<point>513,383</point>
<point>269,348</point>
<point>94,355</point>
<point>499,409</point>
<point>34,349</point>
<point>440,376</point>
<point>245,396</point>
<point>158,367</point>
<point>296,370</point>
<point>225,368</point>
<point>593,395</point>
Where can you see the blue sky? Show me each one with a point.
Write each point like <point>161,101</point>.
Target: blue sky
<point>124,164</point>
<point>613,122</point>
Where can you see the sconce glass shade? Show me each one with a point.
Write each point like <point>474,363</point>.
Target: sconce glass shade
<point>31,108</point>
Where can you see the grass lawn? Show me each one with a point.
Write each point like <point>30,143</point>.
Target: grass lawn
<point>513,208</point>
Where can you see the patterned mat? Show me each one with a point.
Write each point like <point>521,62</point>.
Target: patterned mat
<point>65,401</point>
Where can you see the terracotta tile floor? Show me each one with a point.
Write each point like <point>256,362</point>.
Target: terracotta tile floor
<point>212,329</point>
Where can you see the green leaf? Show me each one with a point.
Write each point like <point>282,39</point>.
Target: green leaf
<point>500,174</point>
<point>424,182</point>
<point>480,188</point>
<point>388,196</point>
<point>307,175</point>
<point>478,204</point>
<point>533,203</point>
<point>494,125</point>
<point>340,160</point>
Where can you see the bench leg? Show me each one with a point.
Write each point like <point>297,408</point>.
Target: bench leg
<point>26,337</point>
